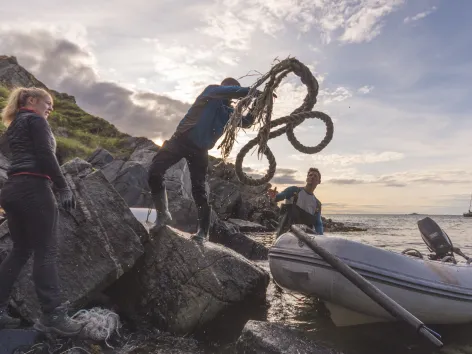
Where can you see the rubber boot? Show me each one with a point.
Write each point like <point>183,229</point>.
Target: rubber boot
<point>6,321</point>
<point>204,219</point>
<point>162,210</point>
<point>58,322</point>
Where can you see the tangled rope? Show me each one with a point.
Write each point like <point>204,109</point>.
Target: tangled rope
<point>99,324</point>
<point>262,112</point>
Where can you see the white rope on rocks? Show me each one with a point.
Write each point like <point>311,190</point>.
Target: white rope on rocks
<point>99,323</point>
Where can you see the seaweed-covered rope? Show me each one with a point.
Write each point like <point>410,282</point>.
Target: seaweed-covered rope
<point>262,112</point>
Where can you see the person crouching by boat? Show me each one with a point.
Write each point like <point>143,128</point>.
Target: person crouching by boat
<point>302,206</point>
<point>31,208</point>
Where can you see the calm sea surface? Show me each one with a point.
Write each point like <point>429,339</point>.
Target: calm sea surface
<point>393,232</point>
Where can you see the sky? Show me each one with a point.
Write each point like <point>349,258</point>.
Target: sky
<point>394,77</point>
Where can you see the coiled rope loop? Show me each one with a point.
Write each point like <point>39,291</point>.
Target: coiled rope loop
<point>262,112</point>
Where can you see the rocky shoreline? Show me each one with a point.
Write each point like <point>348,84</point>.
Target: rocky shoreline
<point>172,295</point>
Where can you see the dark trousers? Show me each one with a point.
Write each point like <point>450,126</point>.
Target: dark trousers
<point>173,151</point>
<point>31,211</point>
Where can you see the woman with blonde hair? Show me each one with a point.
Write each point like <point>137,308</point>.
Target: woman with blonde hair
<point>31,209</point>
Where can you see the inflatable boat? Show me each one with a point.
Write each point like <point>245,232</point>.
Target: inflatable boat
<point>435,288</point>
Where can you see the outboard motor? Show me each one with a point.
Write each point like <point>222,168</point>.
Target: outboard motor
<point>438,242</point>
<point>435,238</point>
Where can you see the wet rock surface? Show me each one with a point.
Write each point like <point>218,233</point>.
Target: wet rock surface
<point>260,337</point>
<point>247,226</point>
<point>243,244</point>
<point>181,286</point>
<point>142,341</point>
<point>99,242</point>
<point>333,226</point>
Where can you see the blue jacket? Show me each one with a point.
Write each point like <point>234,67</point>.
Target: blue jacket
<point>290,192</point>
<point>206,119</point>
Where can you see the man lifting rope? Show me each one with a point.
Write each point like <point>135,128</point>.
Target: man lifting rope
<point>211,116</point>
<point>196,133</point>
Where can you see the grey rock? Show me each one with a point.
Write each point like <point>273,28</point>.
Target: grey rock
<point>180,286</point>
<point>247,226</point>
<point>99,241</point>
<point>14,75</point>
<point>76,168</point>
<point>225,197</point>
<point>232,228</point>
<point>143,156</point>
<point>112,169</point>
<point>100,157</point>
<point>142,341</point>
<point>130,179</point>
<point>244,245</point>
<point>177,180</point>
<point>131,183</point>
<point>272,338</point>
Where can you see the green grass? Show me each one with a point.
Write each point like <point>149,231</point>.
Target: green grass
<point>78,133</point>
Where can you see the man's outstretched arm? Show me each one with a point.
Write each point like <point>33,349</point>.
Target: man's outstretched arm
<point>225,92</point>
<point>287,193</point>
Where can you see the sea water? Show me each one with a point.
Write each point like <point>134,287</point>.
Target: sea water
<point>393,232</point>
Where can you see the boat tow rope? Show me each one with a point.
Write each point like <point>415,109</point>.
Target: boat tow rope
<point>262,112</point>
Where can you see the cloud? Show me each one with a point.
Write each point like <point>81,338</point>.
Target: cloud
<point>357,159</point>
<point>227,26</point>
<point>361,20</point>
<point>346,181</point>
<point>188,68</point>
<point>350,21</point>
<point>287,176</point>
<point>338,95</point>
<point>67,67</point>
<point>282,175</point>
<point>420,16</point>
<point>365,89</point>
<point>403,179</point>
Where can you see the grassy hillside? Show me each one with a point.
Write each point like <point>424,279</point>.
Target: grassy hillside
<point>78,133</point>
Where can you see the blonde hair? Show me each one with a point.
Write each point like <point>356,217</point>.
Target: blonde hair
<point>18,98</point>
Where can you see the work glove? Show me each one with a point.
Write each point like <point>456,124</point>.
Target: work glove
<point>66,199</point>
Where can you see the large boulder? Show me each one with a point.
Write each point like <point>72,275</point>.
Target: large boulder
<point>112,169</point>
<point>130,179</point>
<point>131,182</point>
<point>272,338</point>
<point>100,157</point>
<point>225,197</point>
<point>181,286</point>
<point>229,235</point>
<point>244,245</point>
<point>247,226</point>
<point>99,241</point>
<point>233,199</point>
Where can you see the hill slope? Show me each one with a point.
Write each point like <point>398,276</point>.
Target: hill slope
<point>78,133</point>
